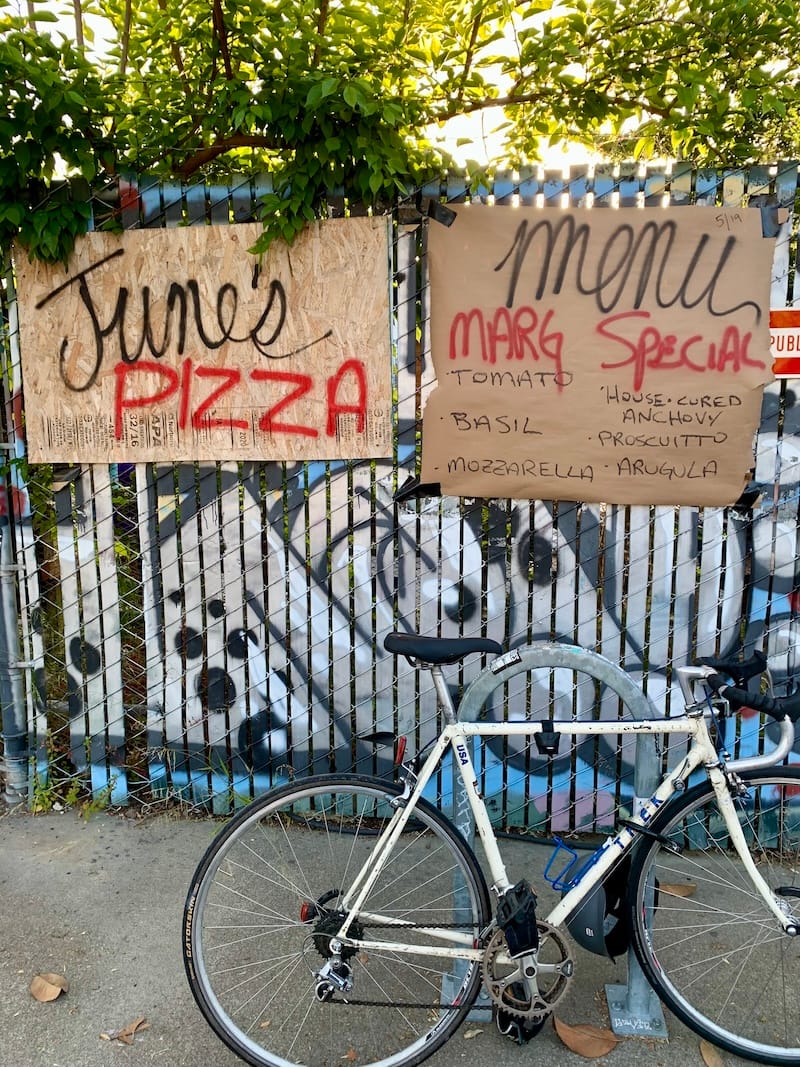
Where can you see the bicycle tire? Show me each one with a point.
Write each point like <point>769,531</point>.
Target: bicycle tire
<point>706,940</point>
<point>250,958</point>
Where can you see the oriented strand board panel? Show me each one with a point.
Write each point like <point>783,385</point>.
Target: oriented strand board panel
<point>179,345</point>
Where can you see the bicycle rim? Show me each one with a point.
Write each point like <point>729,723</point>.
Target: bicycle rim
<point>253,962</point>
<point>706,939</point>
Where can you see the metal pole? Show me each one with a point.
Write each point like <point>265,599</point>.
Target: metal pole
<point>634,1008</point>
<point>12,700</point>
<point>13,718</point>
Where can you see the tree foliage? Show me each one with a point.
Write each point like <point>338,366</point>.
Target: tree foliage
<point>351,93</point>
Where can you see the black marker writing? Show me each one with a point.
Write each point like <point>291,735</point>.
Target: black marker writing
<point>630,267</point>
<point>182,309</point>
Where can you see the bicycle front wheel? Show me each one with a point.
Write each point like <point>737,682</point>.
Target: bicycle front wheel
<point>266,904</point>
<point>711,948</point>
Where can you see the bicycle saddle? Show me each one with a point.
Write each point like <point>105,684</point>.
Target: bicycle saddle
<point>438,649</point>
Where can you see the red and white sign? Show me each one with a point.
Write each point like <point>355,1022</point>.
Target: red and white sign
<point>784,342</point>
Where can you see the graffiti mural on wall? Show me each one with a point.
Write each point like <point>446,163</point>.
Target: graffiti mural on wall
<point>268,591</point>
<point>274,653</point>
<point>270,660</point>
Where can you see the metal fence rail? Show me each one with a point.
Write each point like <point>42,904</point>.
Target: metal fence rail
<point>196,632</point>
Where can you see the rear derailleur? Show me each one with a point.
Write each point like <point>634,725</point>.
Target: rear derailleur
<point>335,975</point>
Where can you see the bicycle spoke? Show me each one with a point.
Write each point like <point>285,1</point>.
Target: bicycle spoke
<point>717,955</point>
<point>269,904</point>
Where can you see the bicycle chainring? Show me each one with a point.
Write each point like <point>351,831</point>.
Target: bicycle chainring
<point>508,985</point>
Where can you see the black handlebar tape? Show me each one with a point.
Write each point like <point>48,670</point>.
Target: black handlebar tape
<point>741,671</point>
<point>775,707</point>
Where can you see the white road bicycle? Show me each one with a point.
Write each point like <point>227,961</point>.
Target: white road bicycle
<point>344,918</point>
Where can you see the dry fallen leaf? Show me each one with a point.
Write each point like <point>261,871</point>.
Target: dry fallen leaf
<point>469,1034</point>
<point>125,1035</point>
<point>682,889</point>
<point>351,1055</point>
<point>710,1054</point>
<point>46,987</point>
<point>588,1041</point>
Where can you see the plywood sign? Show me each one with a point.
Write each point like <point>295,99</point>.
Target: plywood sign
<point>597,355</point>
<point>178,345</point>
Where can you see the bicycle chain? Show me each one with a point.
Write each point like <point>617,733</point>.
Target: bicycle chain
<point>438,1005</point>
<point>500,991</point>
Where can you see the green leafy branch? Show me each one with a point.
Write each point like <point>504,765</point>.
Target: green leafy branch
<point>350,95</point>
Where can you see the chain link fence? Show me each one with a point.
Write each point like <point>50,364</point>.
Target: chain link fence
<point>191,634</point>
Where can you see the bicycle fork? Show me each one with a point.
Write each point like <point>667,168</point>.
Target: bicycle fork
<point>724,785</point>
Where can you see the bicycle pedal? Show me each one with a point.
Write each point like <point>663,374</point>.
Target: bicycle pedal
<point>517,1029</point>
<point>516,917</point>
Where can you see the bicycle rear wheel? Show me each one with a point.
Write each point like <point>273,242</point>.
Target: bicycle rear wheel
<point>265,903</point>
<point>712,950</point>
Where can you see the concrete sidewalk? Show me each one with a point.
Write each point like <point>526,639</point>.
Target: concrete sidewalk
<point>100,901</point>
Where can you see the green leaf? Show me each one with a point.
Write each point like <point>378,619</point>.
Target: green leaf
<point>314,97</point>
<point>353,96</point>
<point>375,181</point>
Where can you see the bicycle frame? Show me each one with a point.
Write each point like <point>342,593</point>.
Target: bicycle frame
<point>456,735</point>
<point>282,911</point>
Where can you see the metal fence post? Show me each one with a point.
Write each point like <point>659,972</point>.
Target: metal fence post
<point>12,702</point>
<point>634,1008</point>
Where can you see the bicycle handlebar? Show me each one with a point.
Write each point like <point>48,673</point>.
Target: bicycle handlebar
<point>775,707</point>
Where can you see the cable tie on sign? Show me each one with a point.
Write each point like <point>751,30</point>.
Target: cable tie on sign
<point>441,213</point>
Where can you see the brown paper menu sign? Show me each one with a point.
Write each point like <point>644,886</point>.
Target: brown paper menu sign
<point>180,345</point>
<point>612,356</point>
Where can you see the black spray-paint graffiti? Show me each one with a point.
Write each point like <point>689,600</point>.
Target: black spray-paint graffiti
<point>183,308</point>
<point>261,672</point>
<point>631,265</point>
